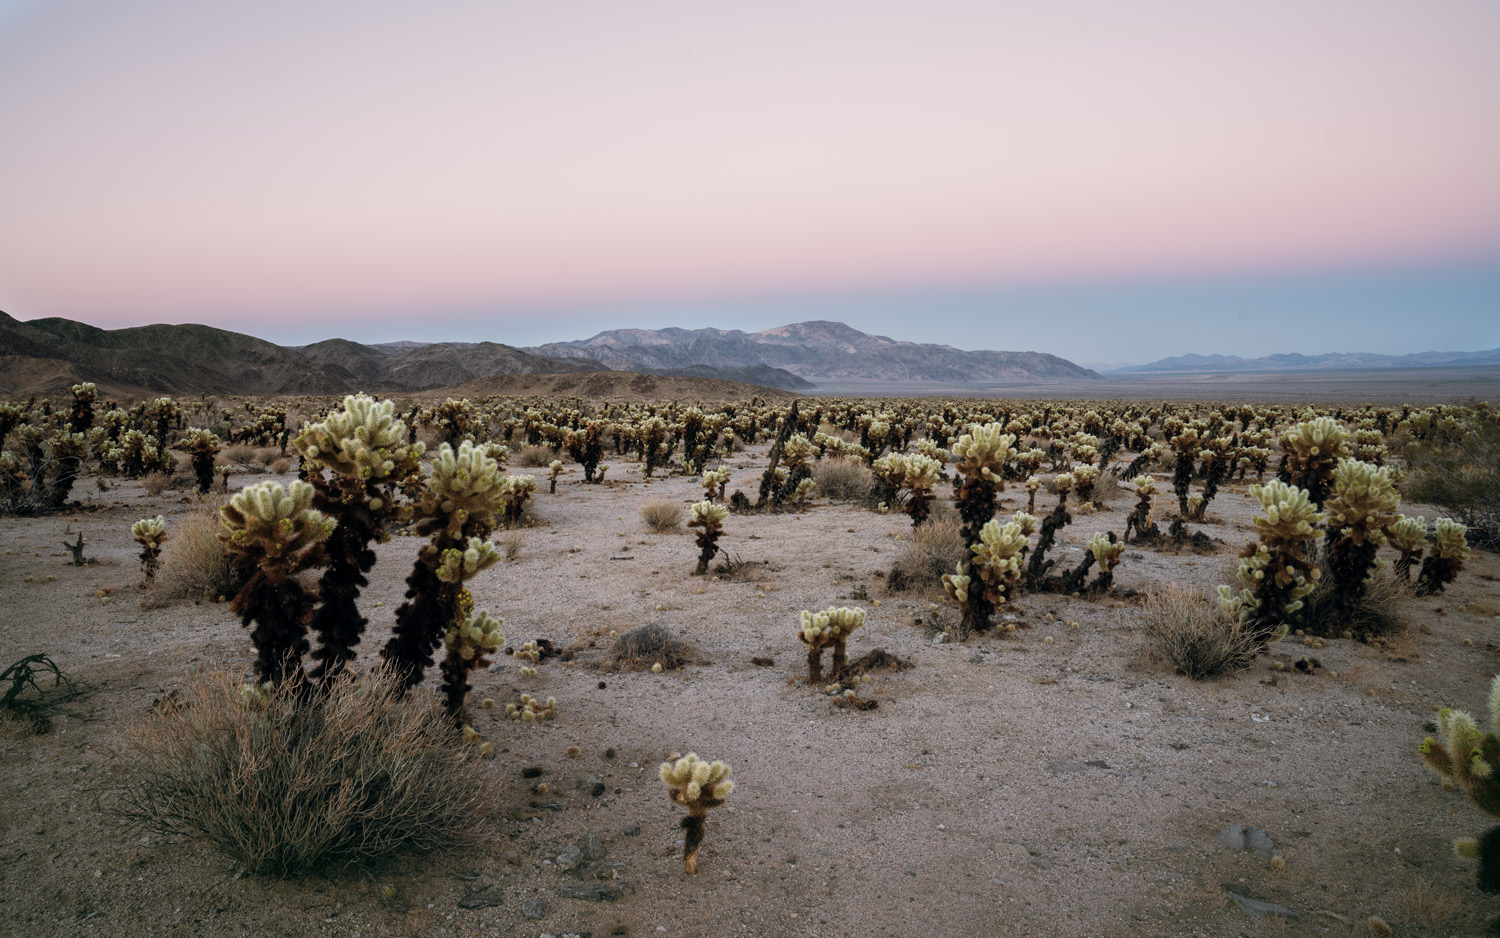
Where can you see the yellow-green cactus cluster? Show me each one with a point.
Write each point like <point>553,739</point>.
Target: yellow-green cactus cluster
<point>363,440</point>
<point>714,480</point>
<point>461,565</point>
<point>1145,485</point>
<point>1028,522</point>
<point>1106,553</point>
<point>956,584</point>
<point>1467,757</point>
<point>150,532</point>
<point>464,484</point>
<point>198,440</point>
<point>693,782</point>
<point>1408,535</point>
<point>1064,482</point>
<point>997,558</point>
<point>821,629</point>
<point>475,637</point>
<point>984,450</point>
<point>797,450</point>
<point>1449,540</point>
<point>277,522</point>
<point>1319,438</point>
<point>530,710</point>
<point>530,651</point>
<point>1290,514</point>
<point>1364,501</point>
<point>706,514</point>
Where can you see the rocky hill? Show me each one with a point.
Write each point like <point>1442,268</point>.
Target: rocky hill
<point>1296,361</point>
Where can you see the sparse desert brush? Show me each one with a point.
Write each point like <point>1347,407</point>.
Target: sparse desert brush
<point>280,467</point>
<point>844,480</point>
<point>936,547</point>
<point>535,457</point>
<point>156,482</point>
<point>193,564</point>
<point>239,454</point>
<point>645,646</point>
<point>1196,635</point>
<point>288,784</point>
<point>511,542</point>
<point>662,515</point>
<point>1459,470</point>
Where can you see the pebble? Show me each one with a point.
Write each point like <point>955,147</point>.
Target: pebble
<point>1255,908</point>
<point>589,893</point>
<point>534,910</point>
<point>569,858</point>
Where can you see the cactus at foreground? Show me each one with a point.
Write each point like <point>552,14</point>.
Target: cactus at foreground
<point>357,461</point>
<point>1468,757</point>
<point>1363,504</point>
<point>273,534</point>
<point>696,785</point>
<point>827,629</point>
<point>1275,576</point>
<point>992,575</point>
<point>1449,551</point>
<point>710,518</point>
<point>150,533</point>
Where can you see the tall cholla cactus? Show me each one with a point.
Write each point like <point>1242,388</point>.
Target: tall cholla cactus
<point>1363,504</point>
<point>1187,445</point>
<point>201,446</point>
<point>1142,519</point>
<point>457,512</point>
<point>555,467</point>
<point>710,519</point>
<point>996,562</point>
<point>919,476</point>
<point>1468,757</point>
<point>980,457</point>
<point>1450,549</point>
<point>1276,575</point>
<point>1106,552</point>
<point>1409,537</point>
<point>1310,452</point>
<point>696,785</point>
<point>515,491</point>
<point>470,639</point>
<point>358,461</point>
<point>828,629</point>
<point>150,533</point>
<point>274,534</point>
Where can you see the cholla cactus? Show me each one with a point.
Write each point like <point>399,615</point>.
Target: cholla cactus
<point>714,481</point>
<point>1363,504</point>
<point>1107,552</point>
<point>710,519</point>
<point>272,534</point>
<point>556,468</point>
<point>1142,520</point>
<point>1085,476</point>
<point>827,629</point>
<point>150,533</point>
<point>1449,551</point>
<point>1409,537</point>
<point>1310,452</point>
<point>1276,575</point>
<point>1187,445</point>
<point>1033,485</point>
<point>201,446</point>
<point>696,785</point>
<point>515,491</point>
<point>996,562</point>
<point>919,476</point>
<point>531,710</point>
<point>470,639</point>
<point>81,416</point>
<point>1467,757</point>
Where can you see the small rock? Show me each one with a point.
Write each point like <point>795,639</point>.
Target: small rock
<point>1259,841</point>
<point>534,910</point>
<point>633,830</point>
<point>593,847</point>
<point>569,858</point>
<point>1232,837</point>
<point>1255,908</point>
<point>481,897</point>
<point>589,893</point>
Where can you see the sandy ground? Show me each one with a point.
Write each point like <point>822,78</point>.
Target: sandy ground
<point>1004,786</point>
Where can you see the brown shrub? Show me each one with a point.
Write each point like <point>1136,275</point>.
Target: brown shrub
<point>155,483</point>
<point>280,466</point>
<point>662,516</point>
<point>848,480</point>
<point>1195,634</point>
<point>534,457</point>
<point>646,645</point>
<point>238,454</point>
<point>512,542</point>
<point>193,565</point>
<point>288,783</point>
<point>936,547</point>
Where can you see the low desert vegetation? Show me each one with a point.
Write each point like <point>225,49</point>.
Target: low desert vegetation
<point>1195,635</point>
<point>662,516</point>
<point>192,566</point>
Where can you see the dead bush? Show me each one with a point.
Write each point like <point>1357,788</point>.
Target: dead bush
<point>936,547</point>
<point>511,542</point>
<point>281,466</point>
<point>648,645</point>
<point>1195,634</point>
<point>1380,611</point>
<point>662,516</point>
<point>238,454</point>
<point>846,480</point>
<point>193,565</point>
<point>155,483</point>
<point>288,783</point>
<point>534,457</point>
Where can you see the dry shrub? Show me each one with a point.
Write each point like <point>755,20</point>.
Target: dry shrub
<point>288,782</point>
<point>155,483</point>
<point>238,454</point>
<point>841,479</point>
<point>1195,634</point>
<point>738,570</point>
<point>936,547</point>
<point>193,565</point>
<point>1381,611</point>
<point>647,645</point>
<point>662,516</point>
<point>1107,488</point>
<point>268,455</point>
<point>512,542</point>
<point>534,457</point>
<point>280,466</point>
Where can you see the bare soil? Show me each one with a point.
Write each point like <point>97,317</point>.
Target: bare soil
<point>1003,786</point>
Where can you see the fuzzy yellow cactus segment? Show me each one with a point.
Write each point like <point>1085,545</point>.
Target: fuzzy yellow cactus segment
<point>531,710</point>
<point>363,441</point>
<point>1276,573</point>
<point>709,518</point>
<point>1311,451</point>
<point>1450,540</point>
<point>1467,756</point>
<point>921,472</point>
<point>706,514</point>
<point>997,559</point>
<point>276,523</point>
<point>1409,537</point>
<point>530,651</point>
<point>1144,484</point>
<point>1290,513</point>
<point>464,484</point>
<point>461,565</point>
<point>1364,501</point>
<point>1027,522</point>
<point>713,480</point>
<point>149,532</point>
<point>697,786</point>
<point>1449,551</point>
<point>827,629</point>
<point>1106,553</point>
<point>475,637</point>
<point>984,451</point>
<point>956,585</point>
<point>1064,483</point>
<point>797,450</point>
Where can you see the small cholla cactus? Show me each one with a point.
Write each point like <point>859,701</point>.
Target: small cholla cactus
<point>696,785</point>
<point>1468,757</point>
<point>1142,520</point>
<point>714,481</point>
<point>1107,553</point>
<point>1085,477</point>
<point>1450,548</point>
<point>1363,504</point>
<point>515,491</point>
<point>530,710</point>
<point>273,534</point>
<point>530,651</point>
<point>1064,482</point>
<point>919,477</point>
<point>1033,485</point>
<point>201,446</point>
<point>150,533</point>
<point>469,640</point>
<point>710,519</point>
<point>827,629</point>
<point>1409,537</point>
<point>1276,575</point>
<point>556,468</point>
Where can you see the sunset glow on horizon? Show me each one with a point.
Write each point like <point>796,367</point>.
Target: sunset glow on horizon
<point>366,169</point>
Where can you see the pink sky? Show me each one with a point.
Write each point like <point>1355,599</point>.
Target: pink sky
<point>252,165</point>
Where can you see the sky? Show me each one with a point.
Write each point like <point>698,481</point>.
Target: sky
<point>1108,182</point>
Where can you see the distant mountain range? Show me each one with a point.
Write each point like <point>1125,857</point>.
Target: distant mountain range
<point>1295,361</point>
<point>47,355</point>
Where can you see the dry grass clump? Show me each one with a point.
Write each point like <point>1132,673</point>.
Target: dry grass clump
<point>662,516</point>
<point>847,480</point>
<point>238,454</point>
<point>1195,634</point>
<point>648,645</point>
<point>267,455</point>
<point>155,483</point>
<point>280,466</point>
<point>288,783</point>
<point>1381,611</point>
<point>193,565</point>
<point>935,548</point>
<point>533,457</point>
<point>511,543</point>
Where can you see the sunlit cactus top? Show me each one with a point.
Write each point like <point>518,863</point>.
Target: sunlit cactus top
<point>1290,513</point>
<point>1450,542</point>
<point>999,548</point>
<point>707,514</point>
<point>1320,437</point>
<point>478,635</point>
<point>149,532</point>
<point>364,440</point>
<point>1364,499</point>
<point>461,565</point>
<point>1408,535</point>
<point>695,783</point>
<point>1107,554</point>
<point>797,450</point>
<point>464,484</point>
<point>274,521</point>
<point>820,628</point>
<point>1144,484</point>
<point>1026,521</point>
<point>198,440</point>
<point>1064,482</point>
<point>984,450</point>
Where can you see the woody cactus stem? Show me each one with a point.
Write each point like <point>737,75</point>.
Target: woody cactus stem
<point>710,519</point>
<point>1363,504</point>
<point>1468,757</point>
<point>274,534</point>
<point>697,786</point>
<point>1449,551</point>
